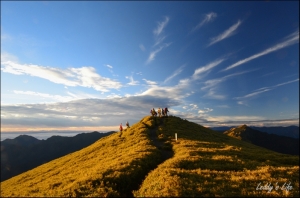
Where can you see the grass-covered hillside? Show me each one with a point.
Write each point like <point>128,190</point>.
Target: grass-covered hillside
<point>146,161</point>
<point>280,144</point>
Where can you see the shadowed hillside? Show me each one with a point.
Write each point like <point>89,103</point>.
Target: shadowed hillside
<point>146,161</point>
<point>25,152</point>
<point>281,144</point>
<point>290,131</point>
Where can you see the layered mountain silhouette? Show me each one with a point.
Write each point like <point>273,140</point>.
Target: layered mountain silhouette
<point>26,152</point>
<point>146,160</point>
<point>290,131</point>
<point>281,144</point>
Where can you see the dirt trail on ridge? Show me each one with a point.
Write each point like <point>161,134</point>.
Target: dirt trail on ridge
<point>165,151</point>
<point>165,154</point>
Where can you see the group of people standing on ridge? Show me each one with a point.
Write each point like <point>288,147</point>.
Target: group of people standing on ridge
<point>121,127</point>
<point>160,111</point>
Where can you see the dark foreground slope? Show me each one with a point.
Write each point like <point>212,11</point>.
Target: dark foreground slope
<point>146,161</point>
<point>25,152</point>
<point>281,144</point>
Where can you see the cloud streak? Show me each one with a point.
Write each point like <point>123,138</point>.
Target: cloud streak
<point>289,40</point>
<point>155,52</point>
<point>207,18</point>
<point>160,27</point>
<point>207,67</point>
<point>225,34</point>
<point>264,89</point>
<point>84,76</point>
<point>175,73</point>
<point>132,81</point>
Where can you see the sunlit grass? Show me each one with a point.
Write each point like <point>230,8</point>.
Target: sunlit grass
<point>208,163</point>
<point>108,167</point>
<point>205,163</point>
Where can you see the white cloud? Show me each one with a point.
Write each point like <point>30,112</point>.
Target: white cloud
<point>132,81</point>
<point>149,82</point>
<point>205,110</point>
<point>109,66</point>
<point>159,40</point>
<point>212,94</point>
<point>161,26</point>
<point>212,83</point>
<point>155,52</point>
<point>207,18</point>
<point>289,40</point>
<point>264,89</point>
<point>177,72</point>
<point>44,95</point>
<point>84,76</point>
<point>206,68</point>
<point>225,34</point>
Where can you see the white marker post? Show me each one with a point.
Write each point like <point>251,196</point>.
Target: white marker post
<point>176,136</point>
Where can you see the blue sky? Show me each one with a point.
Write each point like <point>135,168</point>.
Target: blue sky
<point>93,65</point>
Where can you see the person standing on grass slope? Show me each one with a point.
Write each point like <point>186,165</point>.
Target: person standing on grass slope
<point>121,128</point>
<point>154,112</point>
<point>127,124</point>
<point>166,111</point>
<point>162,111</point>
<point>159,112</point>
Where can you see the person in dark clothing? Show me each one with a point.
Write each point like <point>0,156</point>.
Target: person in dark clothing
<point>166,111</point>
<point>127,124</point>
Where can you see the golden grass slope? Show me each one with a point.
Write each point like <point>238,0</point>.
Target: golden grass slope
<point>205,163</point>
<point>208,163</point>
<point>109,167</point>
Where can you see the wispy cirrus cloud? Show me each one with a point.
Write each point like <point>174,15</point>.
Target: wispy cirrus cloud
<point>289,40</point>
<point>132,81</point>
<point>214,82</point>
<point>175,73</point>
<point>149,82</point>
<point>155,52</point>
<point>207,67</point>
<point>160,27</point>
<point>159,38</point>
<point>225,34</point>
<point>207,18</point>
<point>84,76</point>
<point>109,66</point>
<point>58,98</point>
<point>264,89</point>
<point>212,86</point>
<point>205,110</point>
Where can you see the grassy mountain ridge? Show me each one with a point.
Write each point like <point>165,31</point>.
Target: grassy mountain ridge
<point>26,152</point>
<point>134,163</point>
<point>281,144</point>
<point>288,131</point>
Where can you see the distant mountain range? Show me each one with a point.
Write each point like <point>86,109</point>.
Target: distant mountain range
<point>290,131</point>
<point>26,152</point>
<point>281,144</point>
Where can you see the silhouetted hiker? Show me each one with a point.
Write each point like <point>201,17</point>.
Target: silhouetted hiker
<point>159,112</point>
<point>166,111</point>
<point>151,112</point>
<point>121,128</point>
<point>154,112</point>
<point>127,124</point>
<point>162,112</point>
